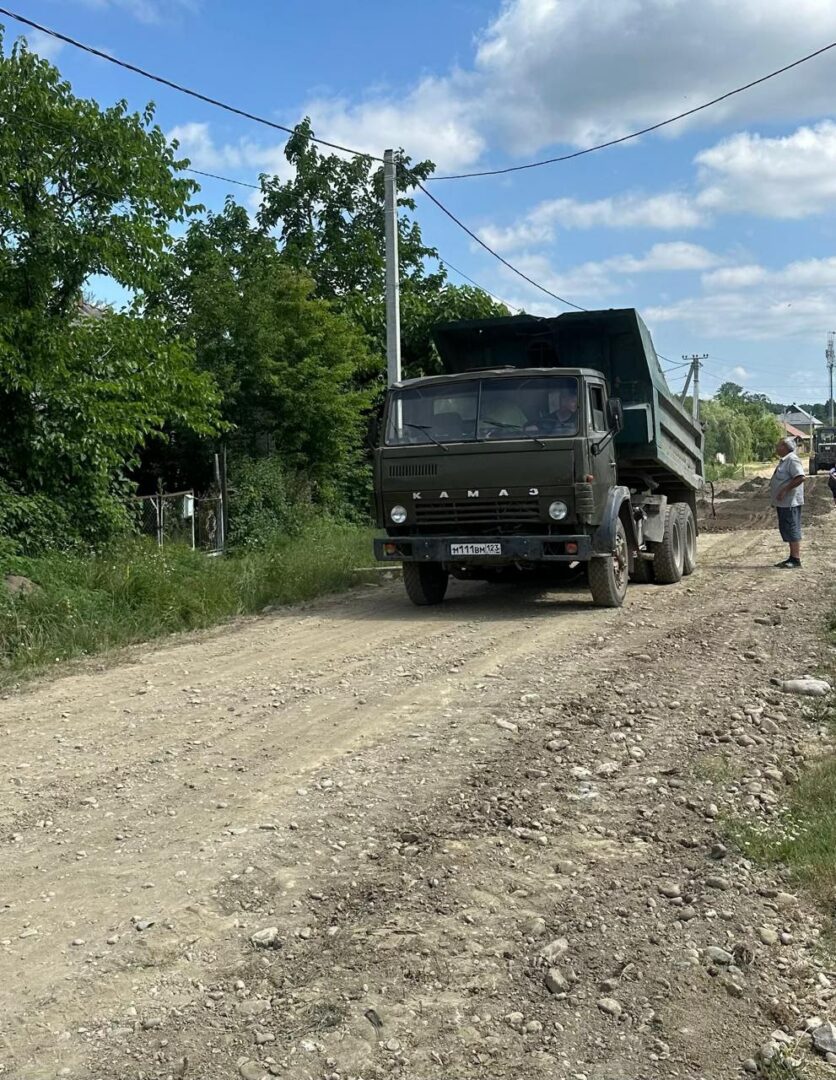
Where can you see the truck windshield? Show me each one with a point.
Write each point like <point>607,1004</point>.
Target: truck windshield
<point>507,408</point>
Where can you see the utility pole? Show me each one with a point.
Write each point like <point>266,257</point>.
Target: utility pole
<point>830,353</point>
<point>694,372</point>
<point>393,299</point>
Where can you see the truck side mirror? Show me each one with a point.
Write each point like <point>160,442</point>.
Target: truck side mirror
<point>615,414</point>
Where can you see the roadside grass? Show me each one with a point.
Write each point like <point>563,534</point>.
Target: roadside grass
<point>803,838</point>
<point>90,604</point>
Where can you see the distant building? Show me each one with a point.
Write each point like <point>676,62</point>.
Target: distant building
<point>800,419</point>
<point>802,438</point>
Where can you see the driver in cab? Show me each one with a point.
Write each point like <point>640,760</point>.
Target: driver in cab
<point>564,419</point>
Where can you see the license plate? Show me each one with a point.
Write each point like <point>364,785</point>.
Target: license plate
<point>476,549</point>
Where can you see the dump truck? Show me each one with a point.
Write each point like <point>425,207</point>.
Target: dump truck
<point>823,450</point>
<point>547,443</point>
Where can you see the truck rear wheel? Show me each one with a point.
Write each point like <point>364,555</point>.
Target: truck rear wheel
<point>608,574</point>
<point>689,539</point>
<point>669,555</point>
<point>426,583</point>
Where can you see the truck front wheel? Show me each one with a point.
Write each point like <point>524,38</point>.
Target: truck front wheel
<point>426,583</point>
<point>608,575</point>
<point>813,466</point>
<point>669,555</point>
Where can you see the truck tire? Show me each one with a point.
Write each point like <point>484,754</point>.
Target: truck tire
<point>669,555</point>
<point>813,466</point>
<point>689,538</point>
<point>642,571</point>
<point>426,583</point>
<point>608,574</point>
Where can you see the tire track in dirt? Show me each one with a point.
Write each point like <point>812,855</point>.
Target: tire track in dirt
<point>364,768</point>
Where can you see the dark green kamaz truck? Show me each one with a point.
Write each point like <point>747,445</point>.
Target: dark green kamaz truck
<point>549,441</point>
<point>823,450</point>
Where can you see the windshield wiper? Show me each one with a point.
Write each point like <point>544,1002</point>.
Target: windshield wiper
<point>427,431</point>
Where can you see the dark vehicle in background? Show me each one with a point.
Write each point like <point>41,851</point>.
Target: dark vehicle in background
<point>823,450</point>
<point>549,441</point>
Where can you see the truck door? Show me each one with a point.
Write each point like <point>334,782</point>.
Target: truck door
<point>603,465</point>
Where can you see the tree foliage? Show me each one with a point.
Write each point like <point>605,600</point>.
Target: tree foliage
<point>329,222</point>
<point>740,425</point>
<point>85,191</point>
<point>294,373</point>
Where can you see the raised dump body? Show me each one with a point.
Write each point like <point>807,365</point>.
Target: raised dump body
<point>659,440</point>
<point>548,442</point>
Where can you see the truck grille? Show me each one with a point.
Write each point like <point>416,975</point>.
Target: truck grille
<point>418,469</point>
<point>475,512</point>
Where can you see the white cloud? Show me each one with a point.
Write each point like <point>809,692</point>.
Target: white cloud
<point>734,277</point>
<point>787,177</point>
<point>43,44</point>
<point>547,72</point>
<point>599,282</point>
<point>740,373</point>
<point>432,121</point>
<point>580,71</point>
<point>198,145</point>
<point>628,211</point>
<point>793,301</point>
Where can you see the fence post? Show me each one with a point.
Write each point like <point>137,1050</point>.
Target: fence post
<point>158,506</point>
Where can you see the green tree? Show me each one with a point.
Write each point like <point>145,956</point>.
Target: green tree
<point>295,373</point>
<point>85,191</point>
<point>329,222</point>
<point>727,432</point>
<point>757,411</point>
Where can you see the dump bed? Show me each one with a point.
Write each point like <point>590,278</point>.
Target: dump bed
<point>659,443</point>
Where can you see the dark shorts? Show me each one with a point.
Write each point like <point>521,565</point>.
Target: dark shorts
<point>789,523</point>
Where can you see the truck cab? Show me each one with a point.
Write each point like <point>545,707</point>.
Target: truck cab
<point>823,450</point>
<point>516,465</point>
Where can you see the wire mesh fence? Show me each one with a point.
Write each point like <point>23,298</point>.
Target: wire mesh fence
<point>180,518</point>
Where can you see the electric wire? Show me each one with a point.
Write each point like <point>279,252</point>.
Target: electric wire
<point>58,36</point>
<point>496,255</point>
<point>642,131</point>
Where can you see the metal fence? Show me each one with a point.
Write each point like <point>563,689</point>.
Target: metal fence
<point>180,518</point>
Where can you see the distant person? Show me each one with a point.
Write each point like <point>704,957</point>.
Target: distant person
<point>831,482</point>
<point>786,492</point>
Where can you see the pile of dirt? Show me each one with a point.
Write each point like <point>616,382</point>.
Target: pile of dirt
<point>729,506</point>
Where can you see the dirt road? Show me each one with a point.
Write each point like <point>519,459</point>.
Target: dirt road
<point>453,824</point>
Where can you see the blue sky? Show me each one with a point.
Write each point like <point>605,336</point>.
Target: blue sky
<point>720,229</point>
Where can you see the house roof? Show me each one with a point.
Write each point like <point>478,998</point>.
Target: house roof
<point>798,415</point>
<point>794,431</point>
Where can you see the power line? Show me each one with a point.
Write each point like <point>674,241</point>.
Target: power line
<point>642,131</point>
<point>173,85</point>
<point>496,255</point>
<point>482,288</point>
<point>225,179</point>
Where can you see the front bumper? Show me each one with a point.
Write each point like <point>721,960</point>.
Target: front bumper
<point>514,549</point>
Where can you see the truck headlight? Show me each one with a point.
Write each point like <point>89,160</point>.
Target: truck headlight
<point>558,510</point>
<point>398,514</point>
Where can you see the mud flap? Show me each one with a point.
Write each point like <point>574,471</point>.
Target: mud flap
<point>603,539</point>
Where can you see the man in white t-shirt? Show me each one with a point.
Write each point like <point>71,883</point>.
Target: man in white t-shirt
<point>786,492</point>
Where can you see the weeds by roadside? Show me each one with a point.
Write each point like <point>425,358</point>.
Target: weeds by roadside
<point>803,836</point>
<point>89,604</point>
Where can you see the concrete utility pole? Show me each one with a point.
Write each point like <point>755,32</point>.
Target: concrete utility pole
<point>830,353</point>
<point>694,372</point>
<point>393,288</point>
